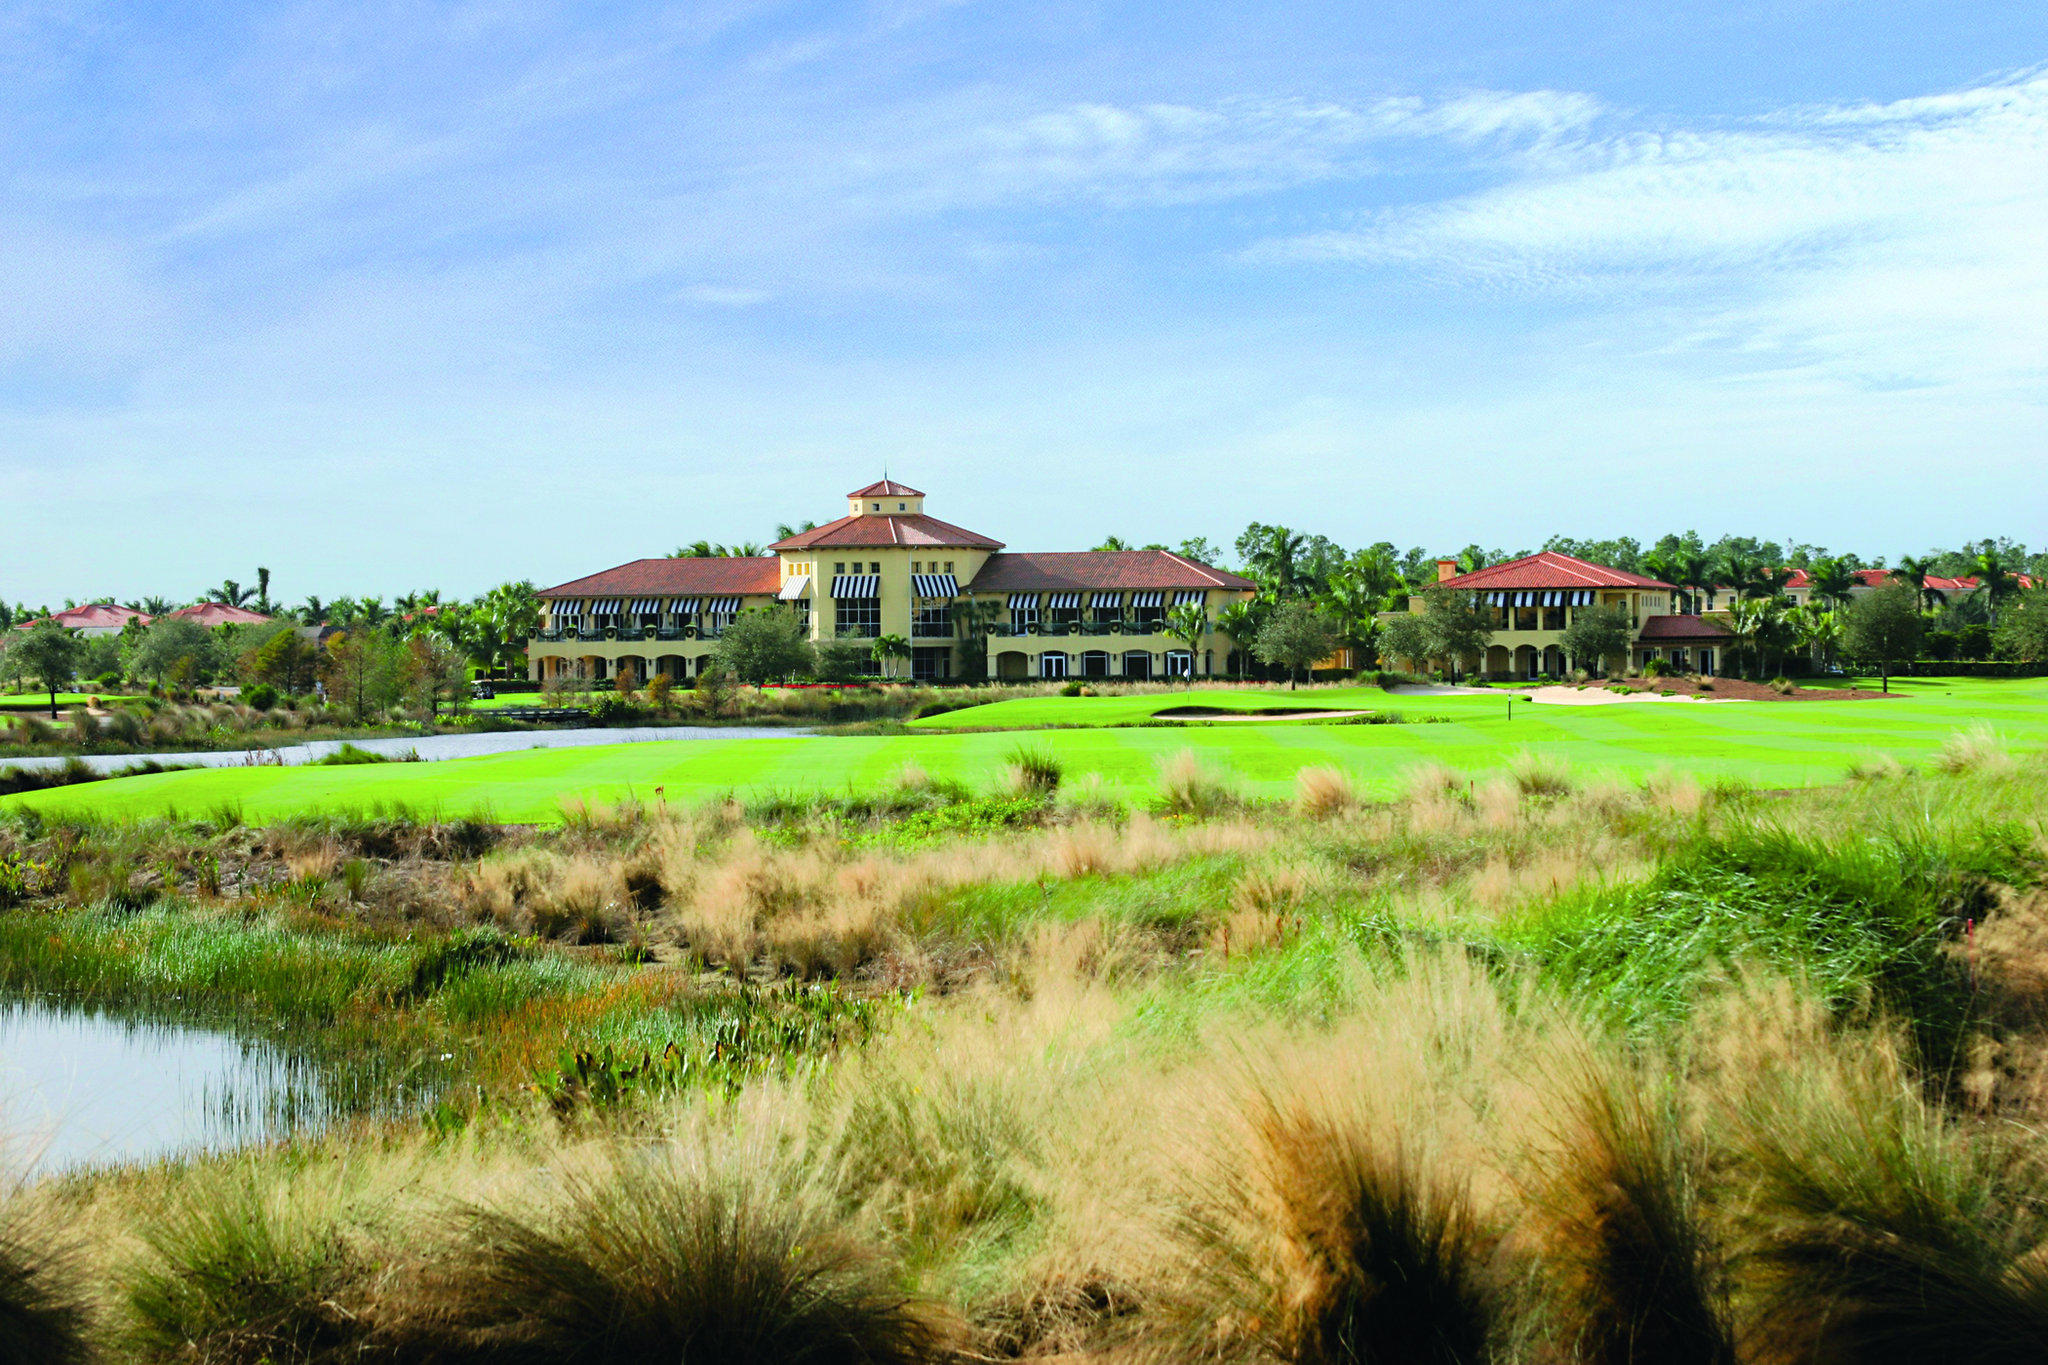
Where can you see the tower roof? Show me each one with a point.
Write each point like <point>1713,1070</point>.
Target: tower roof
<point>887,488</point>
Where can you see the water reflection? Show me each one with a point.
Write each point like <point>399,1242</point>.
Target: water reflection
<point>80,1088</point>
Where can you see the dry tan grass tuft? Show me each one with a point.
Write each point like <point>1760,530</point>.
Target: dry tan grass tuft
<point>1324,793</point>
<point>1977,749</point>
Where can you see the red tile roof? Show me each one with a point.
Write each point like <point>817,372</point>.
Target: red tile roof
<point>1682,628</point>
<point>872,530</point>
<point>100,615</point>
<point>738,575</point>
<point>211,614</point>
<point>887,488</point>
<point>1075,570</point>
<point>1550,570</point>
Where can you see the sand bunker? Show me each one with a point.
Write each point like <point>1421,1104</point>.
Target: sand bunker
<point>1599,696</point>
<point>1269,713</point>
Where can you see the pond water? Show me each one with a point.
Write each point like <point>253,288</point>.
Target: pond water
<point>80,1088</point>
<point>429,748</point>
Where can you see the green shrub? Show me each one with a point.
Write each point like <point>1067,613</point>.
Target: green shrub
<point>262,696</point>
<point>348,756</point>
<point>1035,771</point>
<point>1073,689</point>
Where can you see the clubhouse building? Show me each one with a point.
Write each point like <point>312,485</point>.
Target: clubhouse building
<point>1533,600</point>
<point>968,607</point>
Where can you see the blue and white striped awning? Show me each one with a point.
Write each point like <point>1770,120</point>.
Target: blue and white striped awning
<point>645,606</point>
<point>1023,601</point>
<point>1107,601</point>
<point>857,585</point>
<point>684,606</point>
<point>608,606</point>
<point>1148,599</point>
<point>935,585</point>
<point>1190,597</point>
<point>1063,601</point>
<point>795,586</point>
<point>722,606</point>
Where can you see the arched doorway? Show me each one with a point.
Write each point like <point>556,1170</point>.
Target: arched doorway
<point>1137,664</point>
<point>1497,664</point>
<point>1094,663</point>
<point>1052,665</point>
<point>1013,665</point>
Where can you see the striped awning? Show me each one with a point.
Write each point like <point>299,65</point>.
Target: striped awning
<point>1107,601</point>
<point>645,606</point>
<point>1148,599</point>
<point>1561,597</point>
<point>937,585</point>
<point>569,606</point>
<point>857,585</point>
<point>608,606</point>
<point>1190,597</point>
<point>684,606</point>
<point>1023,601</point>
<point>1063,601</point>
<point>796,586</point>
<point>722,606</point>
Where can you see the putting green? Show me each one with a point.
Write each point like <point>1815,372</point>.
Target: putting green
<point>1775,744</point>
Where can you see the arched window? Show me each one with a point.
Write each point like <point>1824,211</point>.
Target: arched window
<point>1095,663</point>
<point>1052,665</point>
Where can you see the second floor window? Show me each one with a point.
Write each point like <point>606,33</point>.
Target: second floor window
<point>932,621</point>
<point>1023,618</point>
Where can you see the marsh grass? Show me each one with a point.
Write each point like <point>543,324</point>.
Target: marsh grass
<point>44,1318</point>
<point>683,1253</point>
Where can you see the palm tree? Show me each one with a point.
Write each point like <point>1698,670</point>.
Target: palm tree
<point>887,649</point>
<point>1994,580</point>
<point>313,611</point>
<point>1914,573</point>
<point>230,593</point>
<point>1240,621</point>
<point>1832,581</point>
<point>263,602</point>
<point>1275,561</point>
<point>783,531</point>
<point>1819,630</point>
<point>1113,543</point>
<point>1694,571</point>
<point>371,611</point>
<point>1355,600</point>
<point>696,549</point>
<point>1746,615</point>
<point>1188,622</point>
<point>750,549</point>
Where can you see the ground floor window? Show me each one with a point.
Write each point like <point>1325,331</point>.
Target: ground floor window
<point>931,662</point>
<point>1095,663</point>
<point>1137,664</point>
<point>858,618</point>
<point>1052,665</point>
<point>1179,663</point>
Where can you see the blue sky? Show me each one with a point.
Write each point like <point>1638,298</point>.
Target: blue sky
<point>390,296</point>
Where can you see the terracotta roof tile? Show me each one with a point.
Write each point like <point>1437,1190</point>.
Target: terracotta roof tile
<point>1075,570</point>
<point>887,488</point>
<point>871,531</point>
<point>1550,570</point>
<point>93,615</point>
<point>741,575</point>
<point>1682,628</point>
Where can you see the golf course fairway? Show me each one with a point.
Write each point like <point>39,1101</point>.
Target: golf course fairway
<point>1770,744</point>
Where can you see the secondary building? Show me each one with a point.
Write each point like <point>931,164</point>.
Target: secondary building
<point>969,607</point>
<point>1533,600</point>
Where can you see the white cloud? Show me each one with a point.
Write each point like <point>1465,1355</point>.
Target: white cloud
<point>1895,243</point>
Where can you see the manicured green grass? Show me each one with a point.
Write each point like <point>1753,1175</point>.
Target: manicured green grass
<point>31,701</point>
<point>1135,710</point>
<point>1772,744</point>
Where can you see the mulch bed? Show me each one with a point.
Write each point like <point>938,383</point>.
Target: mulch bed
<point>1741,689</point>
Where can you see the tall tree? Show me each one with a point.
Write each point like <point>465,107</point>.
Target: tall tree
<point>48,654</point>
<point>1455,626</point>
<point>764,645</point>
<point>887,649</point>
<point>1295,637</point>
<point>1272,555</point>
<point>1914,571</point>
<point>1596,635</point>
<point>1995,579</point>
<point>230,593</point>
<point>263,602</point>
<point>1884,628</point>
